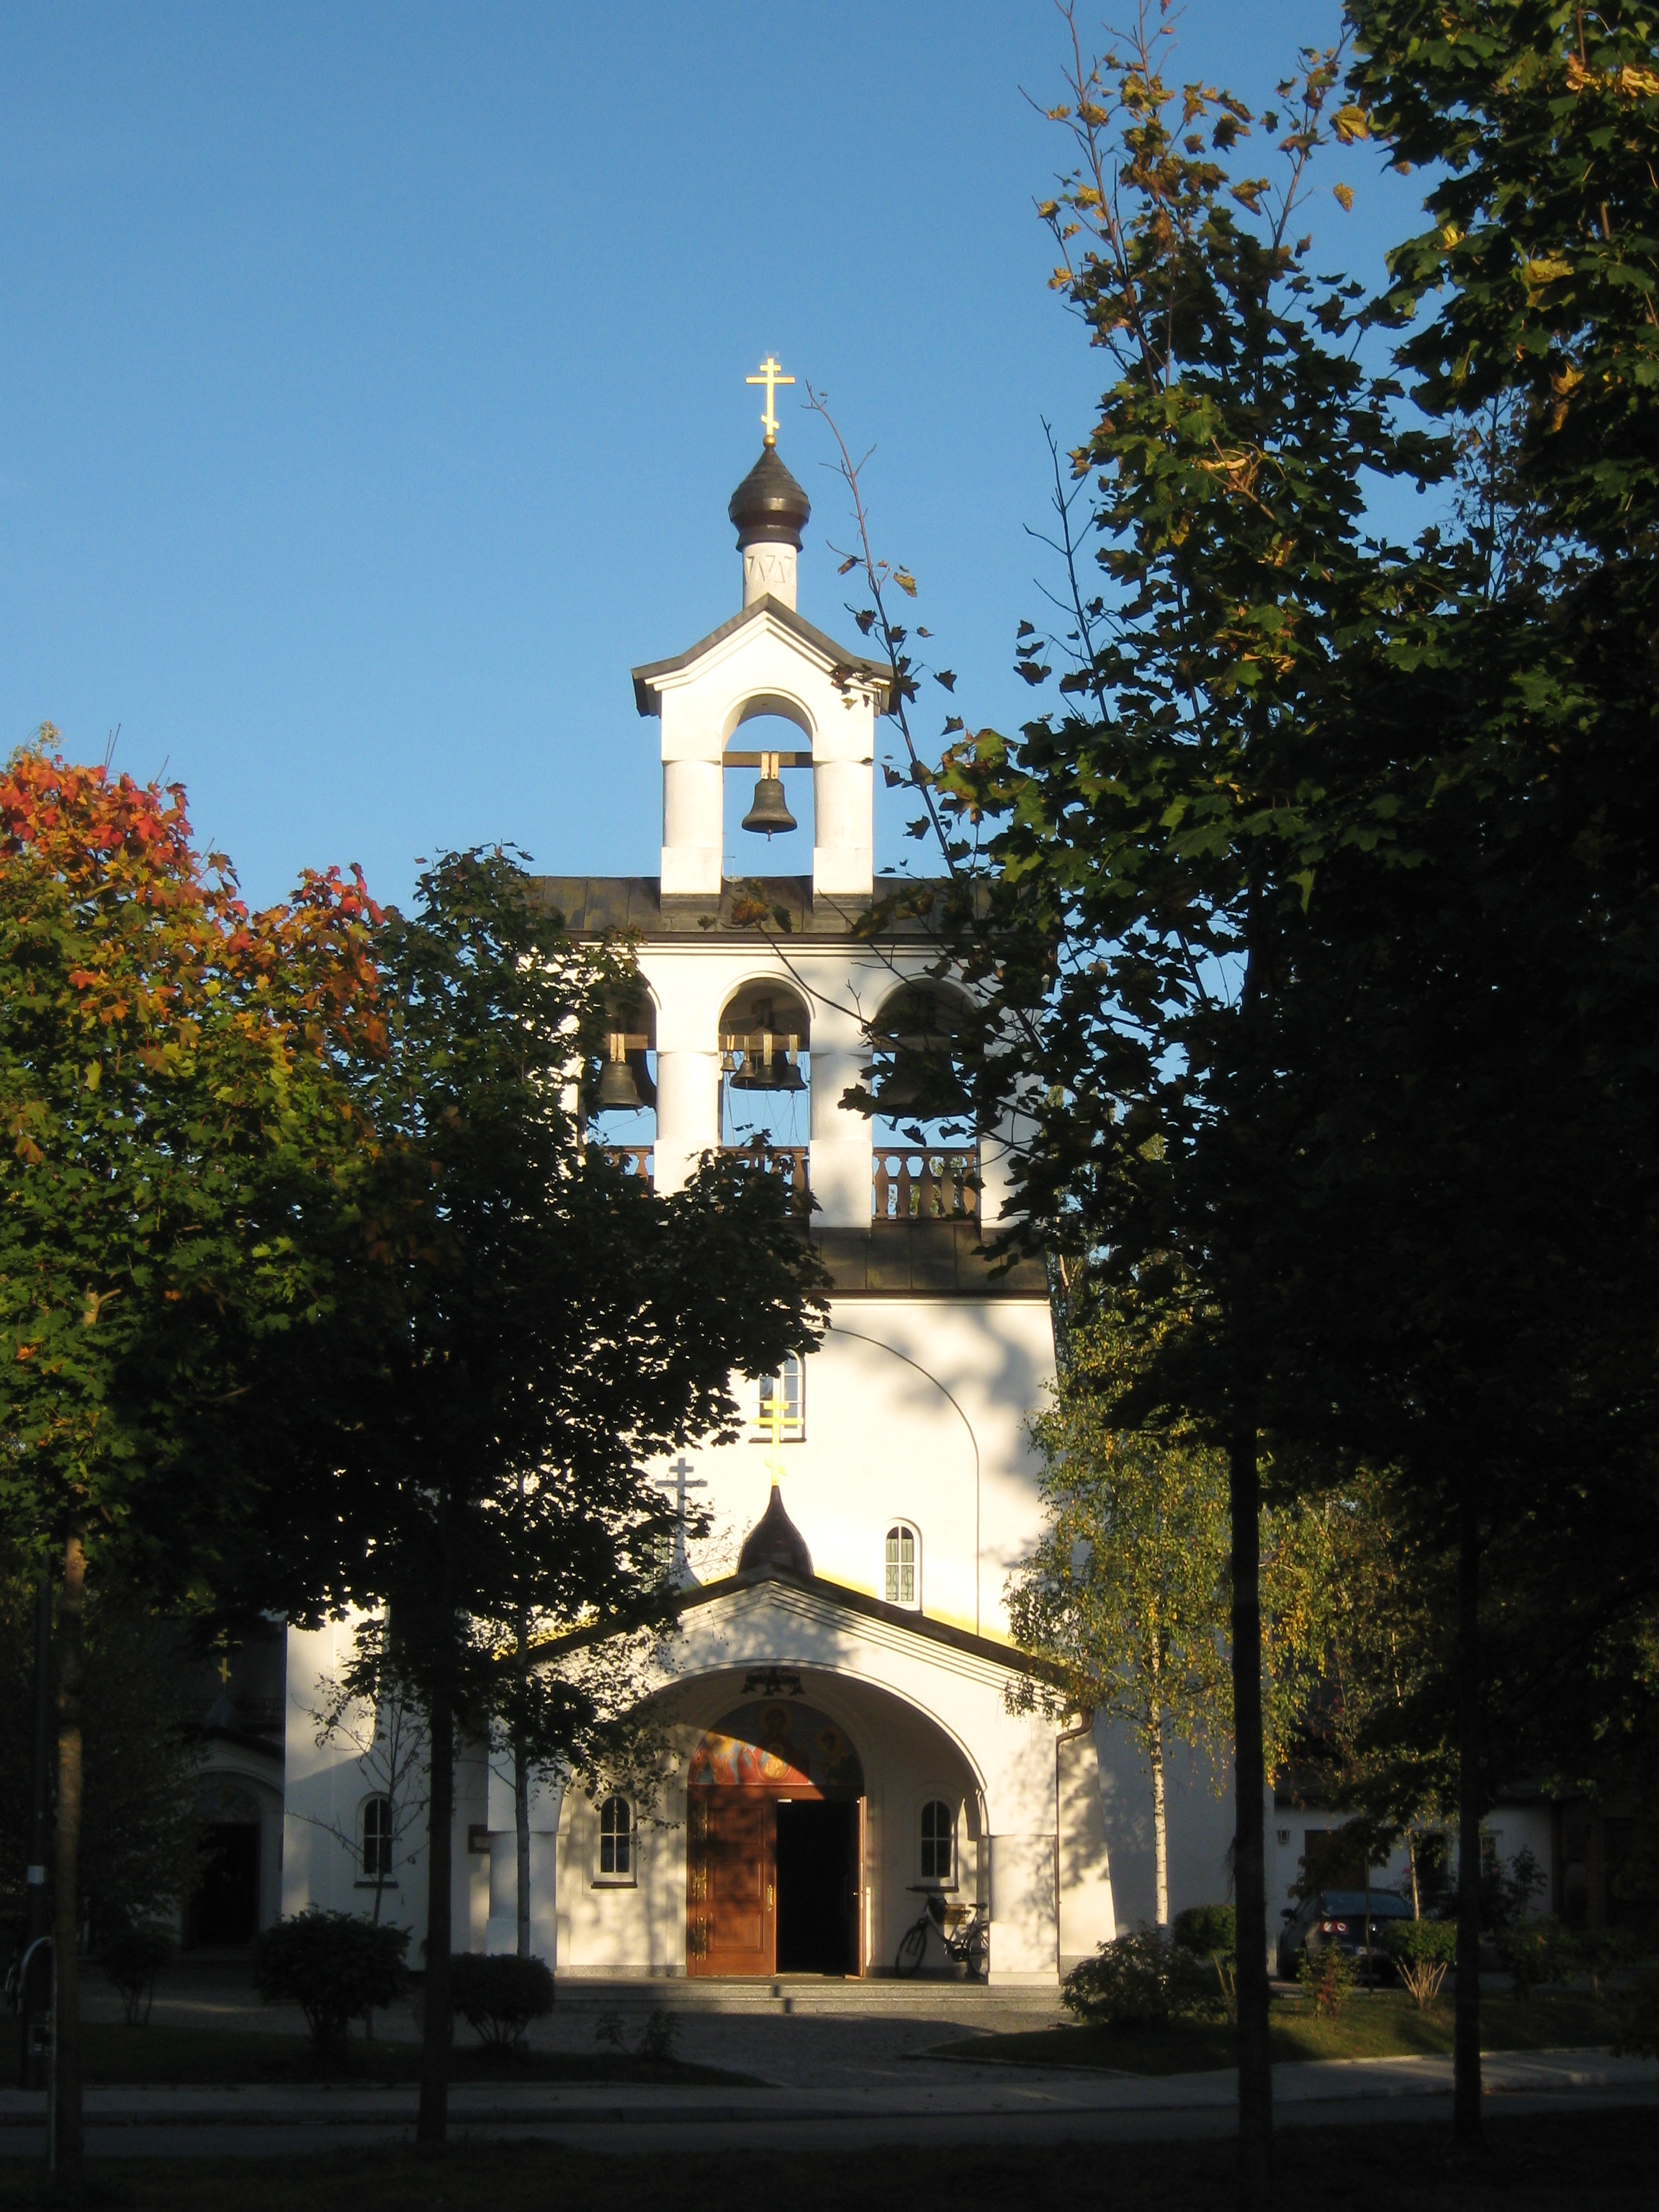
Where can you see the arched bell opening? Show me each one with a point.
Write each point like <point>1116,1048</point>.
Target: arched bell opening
<point>767,816</point>
<point>923,1132</point>
<point>765,1047</point>
<point>622,1093</point>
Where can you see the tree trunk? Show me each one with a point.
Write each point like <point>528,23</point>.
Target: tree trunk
<point>37,1922</point>
<point>521,1837</point>
<point>431,2128</point>
<point>1466,2033</point>
<point>1160,1821</point>
<point>1255,2081</point>
<point>68,2150</point>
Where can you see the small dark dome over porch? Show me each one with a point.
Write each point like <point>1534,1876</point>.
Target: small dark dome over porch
<point>775,1541</point>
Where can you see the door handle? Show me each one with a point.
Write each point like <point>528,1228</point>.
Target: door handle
<point>769,1897</point>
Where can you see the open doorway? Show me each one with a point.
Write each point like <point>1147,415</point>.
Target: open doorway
<point>817,1886</point>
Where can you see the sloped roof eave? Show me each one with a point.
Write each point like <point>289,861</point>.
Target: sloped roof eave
<point>920,1625</point>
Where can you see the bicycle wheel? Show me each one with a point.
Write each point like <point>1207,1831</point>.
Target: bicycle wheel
<point>976,1950</point>
<point>912,1945</point>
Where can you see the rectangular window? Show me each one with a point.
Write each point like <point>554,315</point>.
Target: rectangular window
<point>786,1391</point>
<point>616,1841</point>
<point>939,1837</point>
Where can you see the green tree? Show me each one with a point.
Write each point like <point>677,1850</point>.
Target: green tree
<point>1485,1310</point>
<point>525,1328</point>
<point>171,1093</point>
<point>1126,1593</point>
<point>139,1853</point>
<point>1154,844</point>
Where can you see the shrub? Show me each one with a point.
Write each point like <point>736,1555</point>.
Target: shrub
<point>1140,1981</point>
<point>1537,1951</point>
<point>499,1997</point>
<point>1507,1891</point>
<point>1422,1951</point>
<point>1637,2011</point>
<point>1604,1954</point>
<point>1206,1930</point>
<point>131,1958</point>
<point>1327,1976</point>
<point>334,1967</point>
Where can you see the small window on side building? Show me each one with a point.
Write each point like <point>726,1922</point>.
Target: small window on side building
<point>616,1842</point>
<point>902,1585</point>
<point>377,1840</point>
<point>938,1843</point>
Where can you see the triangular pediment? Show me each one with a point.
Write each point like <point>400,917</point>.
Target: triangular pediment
<point>774,618</point>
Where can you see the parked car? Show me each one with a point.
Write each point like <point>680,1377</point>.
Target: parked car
<point>1337,1915</point>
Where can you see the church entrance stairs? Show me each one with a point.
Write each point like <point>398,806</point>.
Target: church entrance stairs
<point>816,1996</point>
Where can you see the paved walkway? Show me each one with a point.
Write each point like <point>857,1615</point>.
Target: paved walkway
<point>897,2101</point>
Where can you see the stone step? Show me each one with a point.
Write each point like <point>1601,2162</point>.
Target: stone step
<point>813,1994</point>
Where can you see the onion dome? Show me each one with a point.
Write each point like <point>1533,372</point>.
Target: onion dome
<point>775,1541</point>
<point>769,507</point>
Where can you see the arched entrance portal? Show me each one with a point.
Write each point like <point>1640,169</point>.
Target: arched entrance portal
<point>774,1848</point>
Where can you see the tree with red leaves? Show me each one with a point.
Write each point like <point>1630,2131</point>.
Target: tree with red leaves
<point>177,1104</point>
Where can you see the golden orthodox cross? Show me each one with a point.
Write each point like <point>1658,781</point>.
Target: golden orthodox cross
<point>770,376</point>
<point>774,1416</point>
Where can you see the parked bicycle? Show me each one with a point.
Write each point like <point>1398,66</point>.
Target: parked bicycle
<point>961,1928</point>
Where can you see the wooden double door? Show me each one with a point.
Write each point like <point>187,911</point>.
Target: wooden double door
<point>773,1884</point>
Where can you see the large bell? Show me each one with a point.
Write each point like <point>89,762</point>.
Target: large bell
<point>618,1092</point>
<point>769,814</point>
<point>900,1091</point>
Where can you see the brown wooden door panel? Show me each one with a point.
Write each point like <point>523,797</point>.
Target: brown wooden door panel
<point>732,1876</point>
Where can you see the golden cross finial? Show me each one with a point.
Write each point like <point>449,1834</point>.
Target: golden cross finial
<point>770,375</point>
<point>775,1418</point>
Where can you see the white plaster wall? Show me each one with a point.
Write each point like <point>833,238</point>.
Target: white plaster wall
<point>915,1410</point>
<point>324,1787</point>
<point>1200,1815</point>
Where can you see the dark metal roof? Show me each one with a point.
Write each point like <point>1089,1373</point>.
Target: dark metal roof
<point>768,507</point>
<point>878,672</point>
<point>924,1260</point>
<point>749,907</point>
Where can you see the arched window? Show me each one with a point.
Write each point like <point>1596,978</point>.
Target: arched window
<point>938,1843</point>
<point>376,1839</point>
<point>616,1841</point>
<point>903,1582</point>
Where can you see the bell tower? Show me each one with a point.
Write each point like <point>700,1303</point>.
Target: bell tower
<point>766,659</point>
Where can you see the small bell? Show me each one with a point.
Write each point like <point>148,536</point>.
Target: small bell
<point>618,1092</point>
<point>769,814</point>
<point>768,1065</point>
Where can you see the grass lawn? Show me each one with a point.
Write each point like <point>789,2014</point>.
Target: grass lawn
<point>196,2056</point>
<point>1556,2162</point>
<point>1383,2025</point>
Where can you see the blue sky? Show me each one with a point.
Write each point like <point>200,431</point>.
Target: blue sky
<point>371,387</point>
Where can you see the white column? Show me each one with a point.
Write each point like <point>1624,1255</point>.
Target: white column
<point>840,1166</point>
<point>688,1113</point>
<point>692,828</point>
<point>843,828</point>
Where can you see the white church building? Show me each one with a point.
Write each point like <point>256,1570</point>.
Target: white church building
<point>840,1740</point>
